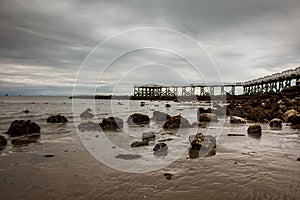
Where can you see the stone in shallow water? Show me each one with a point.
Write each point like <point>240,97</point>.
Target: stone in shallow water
<point>148,136</point>
<point>275,122</point>
<point>140,144</point>
<point>111,124</point>
<point>128,156</point>
<point>138,119</point>
<point>254,130</point>
<point>21,127</point>
<point>57,119</point>
<point>3,141</point>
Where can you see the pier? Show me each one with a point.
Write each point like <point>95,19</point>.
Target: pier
<point>269,84</point>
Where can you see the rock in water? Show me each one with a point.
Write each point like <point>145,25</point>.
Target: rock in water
<point>276,122</point>
<point>160,116</point>
<point>176,122</point>
<point>294,119</point>
<point>86,114</point>
<point>168,105</point>
<point>254,130</point>
<point>236,119</point>
<point>138,119</point>
<point>26,111</point>
<point>57,119</point>
<point>207,117</point>
<point>89,126</point>
<point>202,145</point>
<point>160,147</point>
<point>140,144</point>
<point>21,127</point>
<point>148,136</point>
<point>3,141</point>
<point>111,124</point>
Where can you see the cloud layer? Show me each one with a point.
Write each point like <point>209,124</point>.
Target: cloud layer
<point>43,43</point>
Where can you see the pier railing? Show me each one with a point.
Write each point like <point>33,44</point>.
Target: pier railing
<point>268,84</point>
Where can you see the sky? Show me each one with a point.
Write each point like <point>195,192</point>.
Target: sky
<point>103,46</point>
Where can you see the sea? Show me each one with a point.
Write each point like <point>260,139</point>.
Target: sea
<point>63,162</point>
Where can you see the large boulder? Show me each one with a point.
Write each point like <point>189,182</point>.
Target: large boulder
<point>111,124</point>
<point>207,117</point>
<point>176,122</point>
<point>3,141</point>
<point>21,127</point>
<point>138,119</point>
<point>57,119</point>
<point>89,126</point>
<point>236,119</point>
<point>254,130</point>
<point>160,116</point>
<point>276,122</point>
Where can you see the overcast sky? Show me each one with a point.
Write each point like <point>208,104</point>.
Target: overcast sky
<point>44,43</point>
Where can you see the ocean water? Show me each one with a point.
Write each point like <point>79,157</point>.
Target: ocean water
<point>243,167</point>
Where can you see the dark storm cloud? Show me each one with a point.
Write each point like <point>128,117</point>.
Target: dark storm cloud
<point>43,43</point>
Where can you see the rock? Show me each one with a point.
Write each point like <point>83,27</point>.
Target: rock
<point>168,176</point>
<point>233,134</point>
<point>86,114</point>
<point>111,124</point>
<point>138,119</point>
<point>21,127</point>
<point>25,139</point>
<point>140,144</point>
<point>128,156</point>
<point>289,113</point>
<point>148,136</point>
<point>236,119</point>
<point>49,156</point>
<point>207,117</point>
<point>160,116</point>
<point>3,141</point>
<point>160,147</point>
<point>176,122</point>
<point>142,104</point>
<point>57,119</point>
<point>254,130</point>
<point>294,119</point>
<point>203,110</point>
<point>168,105</point>
<point>26,111</point>
<point>298,159</point>
<point>275,122</point>
<point>202,145</point>
<point>89,126</point>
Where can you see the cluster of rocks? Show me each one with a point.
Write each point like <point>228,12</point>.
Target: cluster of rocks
<point>264,108</point>
<point>26,131</point>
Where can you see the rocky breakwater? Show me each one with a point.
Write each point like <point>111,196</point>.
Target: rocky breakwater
<point>266,107</point>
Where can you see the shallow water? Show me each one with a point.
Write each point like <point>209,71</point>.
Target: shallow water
<point>243,168</point>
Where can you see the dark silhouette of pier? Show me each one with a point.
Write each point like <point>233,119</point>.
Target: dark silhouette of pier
<point>269,84</point>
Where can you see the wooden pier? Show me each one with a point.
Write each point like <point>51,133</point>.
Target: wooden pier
<point>268,84</point>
